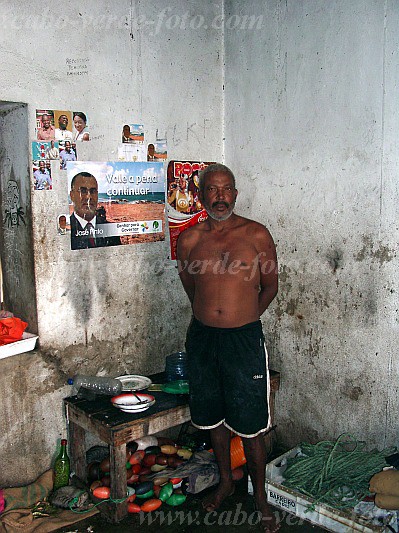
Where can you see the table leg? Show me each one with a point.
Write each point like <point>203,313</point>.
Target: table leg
<point>117,511</point>
<point>77,449</point>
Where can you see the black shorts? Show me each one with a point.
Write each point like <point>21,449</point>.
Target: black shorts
<point>229,378</point>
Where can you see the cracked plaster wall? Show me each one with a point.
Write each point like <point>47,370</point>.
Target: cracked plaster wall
<point>312,133</point>
<point>109,310</point>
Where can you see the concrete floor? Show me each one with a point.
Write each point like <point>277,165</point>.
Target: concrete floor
<point>237,514</point>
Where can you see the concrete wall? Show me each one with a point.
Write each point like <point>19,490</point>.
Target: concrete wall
<point>312,132</point>
<point>108,310</point>
<point>16,228</point>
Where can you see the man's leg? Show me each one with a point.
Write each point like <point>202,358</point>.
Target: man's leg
<point>220,438</point>
<point>255,453</point>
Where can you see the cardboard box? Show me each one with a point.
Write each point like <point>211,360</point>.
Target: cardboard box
<point>296,503</point>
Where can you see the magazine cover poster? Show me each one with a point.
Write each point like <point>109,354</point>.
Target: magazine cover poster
<point>184,206</point>
<point>115,203</point>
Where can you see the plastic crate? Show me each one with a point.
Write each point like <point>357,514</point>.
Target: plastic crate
<point>296,503</point>
<point>26,344</point>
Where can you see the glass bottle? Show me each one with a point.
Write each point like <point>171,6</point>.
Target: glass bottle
<point>61,467</point>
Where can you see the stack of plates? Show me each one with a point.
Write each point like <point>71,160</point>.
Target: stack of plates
<point>133,403</point>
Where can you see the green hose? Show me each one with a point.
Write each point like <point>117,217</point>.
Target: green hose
<point>335,473</point>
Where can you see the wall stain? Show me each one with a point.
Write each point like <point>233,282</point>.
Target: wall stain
<point>351,391</point>
<point>383,253</point>
<point>334,258</point>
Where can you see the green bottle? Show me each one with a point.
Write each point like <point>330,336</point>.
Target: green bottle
<point>61,467</point>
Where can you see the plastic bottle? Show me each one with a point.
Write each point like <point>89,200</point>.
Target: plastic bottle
<point>61,467</point>
<point>98,384</point>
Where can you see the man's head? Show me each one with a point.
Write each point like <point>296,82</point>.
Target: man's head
<point>46,121</point>
<point>217,191</point>
<point>52,144</point>
<point>62,221</point>
<point>151,150</point>
<point>42,166</point>
<point>126,131</point>
<point>48,165</point>
<point>63,122</point>
<point>67,146</point>
<point>84,195</point>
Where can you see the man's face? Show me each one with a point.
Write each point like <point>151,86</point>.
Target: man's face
<point>46,122</point>
<point>42,166</point>
<point>219,196</point>
<point>126,131</point>
<point>67,146</point>
<point>84,196</point>
<point>63,122</point>
<point>62,222</point>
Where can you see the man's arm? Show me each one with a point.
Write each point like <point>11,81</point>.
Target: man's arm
<point>183,254</point>
<point>268,268</point>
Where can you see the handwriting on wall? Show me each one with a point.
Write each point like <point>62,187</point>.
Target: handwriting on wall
<point>13,212</point>
<point>77,66</point>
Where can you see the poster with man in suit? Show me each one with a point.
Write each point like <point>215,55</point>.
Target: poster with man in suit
<point>115,203</point>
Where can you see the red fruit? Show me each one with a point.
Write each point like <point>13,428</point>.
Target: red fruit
<point>131,498</point>
<point>175,480</point>
<point>151,505</point>
<point>133,479</point>
<point>137,457</point>
<point>133,508</point>
<point>136,469</point>
<point>149,459</point>
<point>162,459</point>
<point>102,493</point>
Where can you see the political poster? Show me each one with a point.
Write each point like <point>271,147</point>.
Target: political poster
<point>115,203</point>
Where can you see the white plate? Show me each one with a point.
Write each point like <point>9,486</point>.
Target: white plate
<point>133,382</point>
<point>134,408</point>
<point>132,401</point>
<point>132,411</point>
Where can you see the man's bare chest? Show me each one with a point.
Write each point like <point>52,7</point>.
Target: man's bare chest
<point>234,254</point>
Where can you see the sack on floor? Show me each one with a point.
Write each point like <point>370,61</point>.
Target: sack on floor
<point>18,516</point>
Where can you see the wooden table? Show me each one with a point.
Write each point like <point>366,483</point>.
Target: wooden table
<point>117,428</point>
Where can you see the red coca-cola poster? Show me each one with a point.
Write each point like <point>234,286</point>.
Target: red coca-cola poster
<point>183,204</point>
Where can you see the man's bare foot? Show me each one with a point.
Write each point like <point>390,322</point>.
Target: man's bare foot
<point>215,499</point>
<point>268,520</point>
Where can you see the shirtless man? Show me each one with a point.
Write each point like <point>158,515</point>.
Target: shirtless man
<point>228,268</point>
